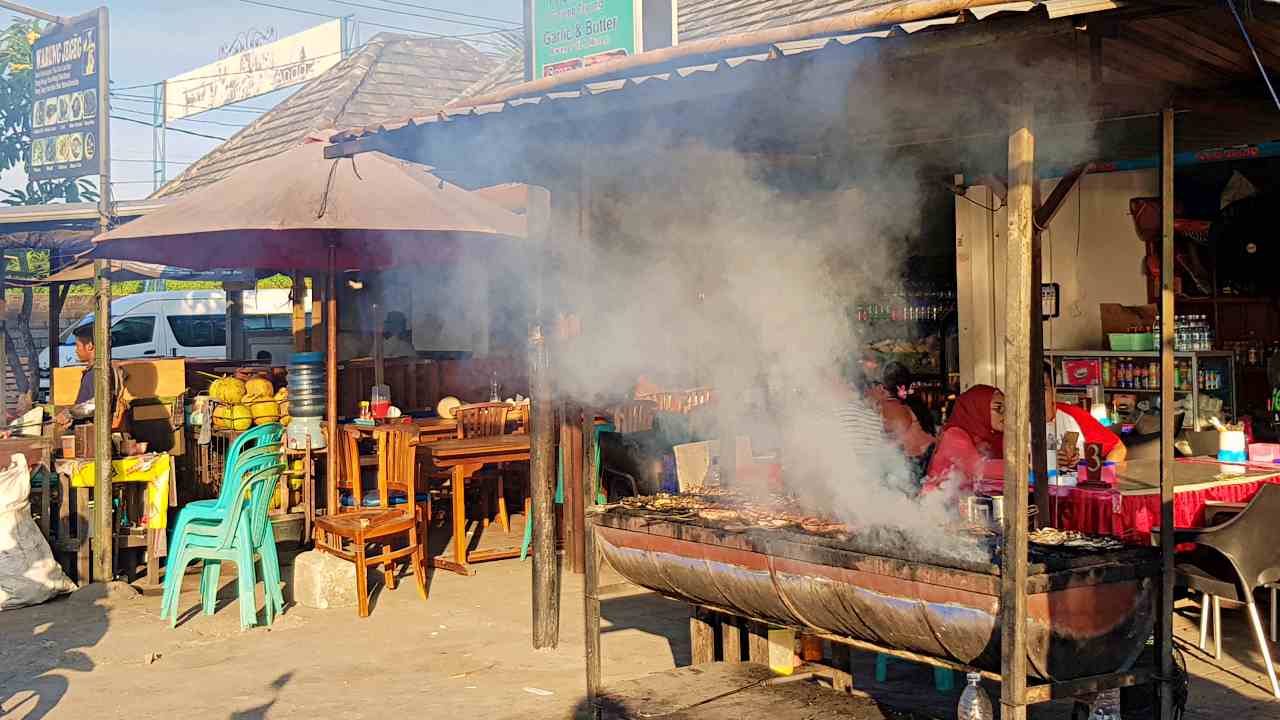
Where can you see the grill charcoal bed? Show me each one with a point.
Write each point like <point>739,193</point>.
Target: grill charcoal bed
<point>1089,612</point>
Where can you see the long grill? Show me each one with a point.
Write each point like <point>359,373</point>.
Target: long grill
<point>1089,612</point>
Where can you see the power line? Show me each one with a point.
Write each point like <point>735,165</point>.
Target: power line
<point>232,108</point>
<point>184,131</point>
<point>194,120</point>
<point>406,13</point>
<point>517,23</point>
<point>437,36</point>
<point>150,162</point>
<point>442,36</point>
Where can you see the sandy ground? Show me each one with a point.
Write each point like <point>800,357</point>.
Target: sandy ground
<point>104,653</point>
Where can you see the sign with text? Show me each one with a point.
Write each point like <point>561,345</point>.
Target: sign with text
<point>572,34</point>
<point>255,71</point>
<point>65,123</point>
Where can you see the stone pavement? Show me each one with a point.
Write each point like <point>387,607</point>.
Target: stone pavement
<point>104,653</point>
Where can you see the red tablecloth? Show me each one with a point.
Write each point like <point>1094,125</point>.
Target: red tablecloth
<point>1130,517</point>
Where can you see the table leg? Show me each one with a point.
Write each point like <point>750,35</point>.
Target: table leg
<point>459,475</point>
<point>154,538</point>
<point>82,536</point>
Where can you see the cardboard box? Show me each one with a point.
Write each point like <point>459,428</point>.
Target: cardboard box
<point>143,378</point>
<point>1117,318</point>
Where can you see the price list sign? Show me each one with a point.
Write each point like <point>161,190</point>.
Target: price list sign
<point>65,123</point>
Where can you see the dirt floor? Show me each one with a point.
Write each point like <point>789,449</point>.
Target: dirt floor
<point>104,653</point>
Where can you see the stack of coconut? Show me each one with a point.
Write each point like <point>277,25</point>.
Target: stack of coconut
<point>241,404</point>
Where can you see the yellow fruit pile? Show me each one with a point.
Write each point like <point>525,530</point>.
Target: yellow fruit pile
<point>242,405</point>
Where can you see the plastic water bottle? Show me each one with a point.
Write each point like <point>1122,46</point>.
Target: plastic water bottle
<point>974,703</point>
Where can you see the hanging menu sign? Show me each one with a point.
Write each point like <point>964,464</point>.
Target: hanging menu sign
<point>65,126</point>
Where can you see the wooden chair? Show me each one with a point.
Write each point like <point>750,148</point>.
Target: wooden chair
<point>488,420</point>
<point>348,533</point>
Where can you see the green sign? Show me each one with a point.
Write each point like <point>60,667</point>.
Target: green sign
<point>573,34</point>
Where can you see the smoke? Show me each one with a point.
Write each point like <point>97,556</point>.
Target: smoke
<point>726,277</point>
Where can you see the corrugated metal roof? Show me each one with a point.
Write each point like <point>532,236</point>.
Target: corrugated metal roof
<point>742,15</point>
<point>391,75</point>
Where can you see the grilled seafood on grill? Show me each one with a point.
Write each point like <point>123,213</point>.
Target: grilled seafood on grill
<point>733,512</point>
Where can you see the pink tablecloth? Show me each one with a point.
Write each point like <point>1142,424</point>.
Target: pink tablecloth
<point>1130,517</point>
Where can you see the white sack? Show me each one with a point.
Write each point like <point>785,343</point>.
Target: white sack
<point>28,573</point>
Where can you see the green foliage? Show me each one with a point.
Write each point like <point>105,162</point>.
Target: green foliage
<point>17,86</point>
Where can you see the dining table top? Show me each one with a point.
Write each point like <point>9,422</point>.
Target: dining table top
<point>1142,477</point>
<point>479,446</point>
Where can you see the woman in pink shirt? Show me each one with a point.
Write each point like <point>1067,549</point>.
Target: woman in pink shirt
<point>973,435</point>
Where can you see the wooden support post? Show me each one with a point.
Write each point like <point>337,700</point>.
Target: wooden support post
<point>591,616</point>
<point>298,298</point>
<point>1164,624</point>
<point>57,293</point>
<point>841,666</point>
<point>758,642</point>
<point>730,639</point>
<point>1041,413</point>
<point>1017,341</point>
<point>331,382</point>
<point>542,457</point>
<point>235,325</point>
<point>102,526</point>
<point>702,635</point>
<point>542,477</point>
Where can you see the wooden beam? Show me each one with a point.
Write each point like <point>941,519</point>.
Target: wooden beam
<point>702,635</point>
<point>1040,412</point>
<point>1045,212</point>
<point>102,527</point>
<point>591,615</point>
<point>297,297</point>
<point>1164,623</point>
<point>1017,340</point>
<point>542,457</point>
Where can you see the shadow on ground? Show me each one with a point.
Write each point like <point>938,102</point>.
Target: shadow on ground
<point>43,648</point>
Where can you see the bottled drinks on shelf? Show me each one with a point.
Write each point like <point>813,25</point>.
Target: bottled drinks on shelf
<point>908,307</point>
<point>1192,333</point>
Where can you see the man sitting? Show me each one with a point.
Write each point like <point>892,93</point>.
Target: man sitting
<point>1067,418</point>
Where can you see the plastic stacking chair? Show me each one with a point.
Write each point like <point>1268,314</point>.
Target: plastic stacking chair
<point>1229,562</point>
<point>233,538</point>
<point>260,442</point>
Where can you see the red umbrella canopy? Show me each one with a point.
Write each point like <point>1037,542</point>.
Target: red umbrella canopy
<point>284,212</point>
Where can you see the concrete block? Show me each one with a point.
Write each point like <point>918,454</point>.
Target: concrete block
<point>322,581</point>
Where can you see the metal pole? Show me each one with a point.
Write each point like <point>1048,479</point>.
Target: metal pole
<point>32,12</point>
<point>1013,577</point>
<point>1041,413</point>
<point>159,124</point>
<point>1164,626</point>
<point>102,530</point>
<point>4,332</point>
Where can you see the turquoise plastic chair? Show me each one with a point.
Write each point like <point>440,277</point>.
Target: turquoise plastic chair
<point>233,538</point>
<point>256,459</point>
<point>248,442</point>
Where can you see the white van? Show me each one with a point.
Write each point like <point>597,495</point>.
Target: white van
<point>185,323</point>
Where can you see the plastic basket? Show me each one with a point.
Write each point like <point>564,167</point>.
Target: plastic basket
<point>1132,342</point>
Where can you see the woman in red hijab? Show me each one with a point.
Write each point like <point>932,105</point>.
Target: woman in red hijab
<point>973,434</point>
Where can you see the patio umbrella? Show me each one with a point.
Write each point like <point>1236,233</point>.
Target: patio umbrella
<point>300,211</point>
<point>286,212</point>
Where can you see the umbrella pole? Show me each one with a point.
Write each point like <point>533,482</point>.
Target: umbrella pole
<point>331,380</point>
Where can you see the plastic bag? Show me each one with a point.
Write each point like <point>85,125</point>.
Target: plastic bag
<point>28,573</point>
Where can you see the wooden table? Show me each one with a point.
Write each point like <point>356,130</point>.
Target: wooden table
<point>74,526</point>
<point>429,429</point>
<point>463,458</point>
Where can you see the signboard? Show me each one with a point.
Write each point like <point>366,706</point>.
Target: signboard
<point>65,125</point>
<point>255,71</point>
<point>572,34</point>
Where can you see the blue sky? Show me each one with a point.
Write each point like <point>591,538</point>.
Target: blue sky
<point>156,39</point>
